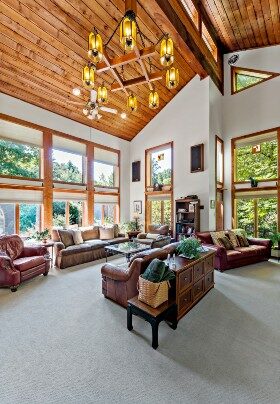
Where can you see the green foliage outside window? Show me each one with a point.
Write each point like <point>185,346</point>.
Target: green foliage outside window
<point>262,165</point>
<point>66,172</point>
<point>19,160</point>
<point>159,175</point>
<point>244,81</point>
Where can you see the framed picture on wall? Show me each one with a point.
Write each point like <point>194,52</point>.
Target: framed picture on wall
<point>197,158</point>
<point>137,207</point>
<point>136,171</point>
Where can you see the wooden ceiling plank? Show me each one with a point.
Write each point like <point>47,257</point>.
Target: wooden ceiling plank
<point>268,21</point>
<point>261,21</point>
<point>275,18</point>
<point>253,21</point>
<point>243,20</point>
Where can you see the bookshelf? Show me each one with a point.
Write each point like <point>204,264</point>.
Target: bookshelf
<point>187,218</point>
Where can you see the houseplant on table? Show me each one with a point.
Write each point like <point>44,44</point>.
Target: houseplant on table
<point>275,238</point>
<point>189,248</point>
<point>42,236</point>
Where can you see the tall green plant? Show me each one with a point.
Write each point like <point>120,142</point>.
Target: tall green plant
<point>189,247</point>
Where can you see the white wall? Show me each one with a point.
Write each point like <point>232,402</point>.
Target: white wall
<point>22,110</point>
<point>185,121</point>
<point>252,110</point>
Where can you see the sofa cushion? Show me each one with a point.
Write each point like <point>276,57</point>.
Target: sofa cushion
<point>25,263</point>
<point>118,240</point>
<point>252,251</point>
<point>162,230</point>
<point>233,255</point>
<point>153,236</point>
<point>242,241</point>
<point>225,241</point>
<point>233,238</point>
<point>94,244</point>
<point>90,233</point>
<point>66,237</point>
<point>12,245</point>
<point>106,233</point>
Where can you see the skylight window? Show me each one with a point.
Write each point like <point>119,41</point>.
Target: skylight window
<point>192,11</point>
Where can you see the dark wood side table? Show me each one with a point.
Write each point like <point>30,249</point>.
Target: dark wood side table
<point>166,311</point>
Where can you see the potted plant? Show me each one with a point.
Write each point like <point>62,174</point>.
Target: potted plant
<point>275,238</point>
<point>189,247</point>
<point>41,235</point>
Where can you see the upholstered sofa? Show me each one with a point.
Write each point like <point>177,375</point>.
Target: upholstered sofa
<point>157,236</point>
<point>19,263</point>
<point>119,282</point>
<point>91,248</point>
<point>257,251</point>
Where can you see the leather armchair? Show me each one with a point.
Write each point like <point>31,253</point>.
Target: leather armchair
<point>19,263</point>
<point>162,233</point>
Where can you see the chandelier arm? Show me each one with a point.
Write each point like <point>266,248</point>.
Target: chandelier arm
<point>109,40</point>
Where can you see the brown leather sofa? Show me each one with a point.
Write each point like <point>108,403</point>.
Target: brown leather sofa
<point>119,282</point>
<point>160,234</point>
<point>19,263</point>
<point>258,250</point>
<point>68,254</point>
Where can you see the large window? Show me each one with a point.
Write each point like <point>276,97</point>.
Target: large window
<point>255,185</point>
<point>29,218</point>
<point>159,177</point>
<point>67,213</point>
<point>256,157</point>
<point>7,218</point>
<point>106,168</point>
<point>68,160</point>
<point>192,11</point>
<point>105,213</point>
<point>209,41</point>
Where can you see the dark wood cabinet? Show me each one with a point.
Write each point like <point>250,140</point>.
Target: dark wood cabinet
<point>187,212</point>
<point>194,278</point>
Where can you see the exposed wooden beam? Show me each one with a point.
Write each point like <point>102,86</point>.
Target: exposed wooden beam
<point>143,67</point>
<point>137,81</point>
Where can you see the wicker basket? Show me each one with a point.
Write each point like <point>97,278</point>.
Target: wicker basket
<point>153,294</point>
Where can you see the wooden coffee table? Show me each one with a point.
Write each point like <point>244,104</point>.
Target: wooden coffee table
<point>166,311</point>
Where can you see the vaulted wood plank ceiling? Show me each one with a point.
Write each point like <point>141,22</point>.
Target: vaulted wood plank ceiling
<point>244,24</point>
<point>43,47</point>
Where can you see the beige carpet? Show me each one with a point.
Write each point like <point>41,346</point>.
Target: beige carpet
<point>62,342</point>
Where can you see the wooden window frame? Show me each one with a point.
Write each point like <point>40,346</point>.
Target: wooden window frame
<point>148,173</point>
<point>248,72</point>
<point>46,166</point>
<point>219,185</point>
<point>260,188</point>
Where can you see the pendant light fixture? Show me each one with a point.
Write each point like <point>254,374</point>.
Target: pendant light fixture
<point>153,99</point>
<point>102,94</point>
<point>166,51</point>
<point>128,31</point>
<point>88,75</point>
<point>95,46</point>
<point>132,102</point>
<point>172,78</point>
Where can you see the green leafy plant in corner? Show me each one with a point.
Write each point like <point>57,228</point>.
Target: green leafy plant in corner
<point>133,225</point>
<point>275,238</point>
<point>189,247</point>
<point>157,272</point>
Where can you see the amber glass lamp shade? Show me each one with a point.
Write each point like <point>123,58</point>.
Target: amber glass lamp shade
<point>128,33</point>
<point>132,103</point>
<point>88,76</point>
<point>102,94</point>
<point>153,100</point>
<point>95,47</point>
<point>172,78</point>
<point>166,51</point>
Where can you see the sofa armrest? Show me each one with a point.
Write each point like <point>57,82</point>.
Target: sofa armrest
<point>34,251</point>
<point>260,241</point>
<point>58,246</point>
<point>219,251</point>
<point>121,235</point>
<point>117,273</point>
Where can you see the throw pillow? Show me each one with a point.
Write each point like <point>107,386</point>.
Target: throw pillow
<point>241,232</point>
<point>243,242</point>
<point>77,237</point>
<point>90,233</point>
<point>116,230</point>
<point>153,236</point>
<point>106,233</point>
<point>226,242</point>
<point>66,237</point>
<point>216,235</point>
<point>233,238</point>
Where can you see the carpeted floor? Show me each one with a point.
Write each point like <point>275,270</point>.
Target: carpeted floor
<point>62,342</point>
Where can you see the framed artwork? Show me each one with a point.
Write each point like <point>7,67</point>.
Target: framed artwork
<point>137,207</point>
<point>197,158</point>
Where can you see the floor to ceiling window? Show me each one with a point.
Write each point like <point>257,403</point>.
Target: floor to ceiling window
<point>255,183</point>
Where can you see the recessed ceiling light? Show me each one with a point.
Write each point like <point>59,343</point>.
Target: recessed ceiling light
<point>123,115</point>
<point>76,91</point>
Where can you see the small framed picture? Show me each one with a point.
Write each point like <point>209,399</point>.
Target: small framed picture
<point>137,207</point>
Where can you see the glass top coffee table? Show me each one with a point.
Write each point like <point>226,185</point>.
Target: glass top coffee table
<point>127,249</point>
